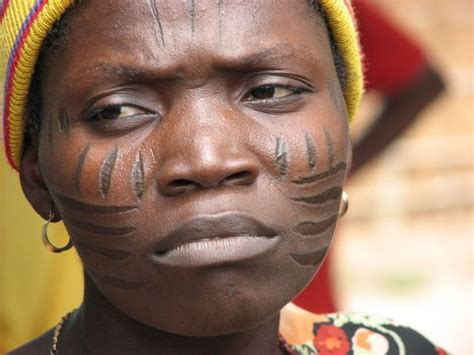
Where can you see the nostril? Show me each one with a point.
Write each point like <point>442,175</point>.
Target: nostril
<point>240,178</point>
<point>181,183</point>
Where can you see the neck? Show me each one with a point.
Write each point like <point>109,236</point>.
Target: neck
<point>104,329</point>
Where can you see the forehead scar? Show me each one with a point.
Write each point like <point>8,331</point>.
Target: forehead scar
<point>138,177</point>
<point>117,282</point>
<point>156,17</point>
<point>311,151</point>
<point>106,170</point>
<point>330,147</point>
<point>220,10</point>
<point>331,194</point>
<point>105,230</point>
<point>282,156</point>
<point>313,258</point>
<point>77,205</point>
<point>192,13</point>
<point>113,254</point>
<point>321,176</point>
<point>79,166</point>
<point>315,228</point>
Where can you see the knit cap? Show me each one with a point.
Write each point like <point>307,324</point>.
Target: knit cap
<point>24,24</point>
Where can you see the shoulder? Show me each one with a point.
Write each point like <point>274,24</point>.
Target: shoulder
<point>349,333</point>
<point>40,345</point>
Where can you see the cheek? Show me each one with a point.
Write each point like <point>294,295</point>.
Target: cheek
<point>312,168</point>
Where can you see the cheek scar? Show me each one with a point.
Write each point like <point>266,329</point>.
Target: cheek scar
<point>282,156</point>
<point>321,176</point>
<point>315,228</point>
<point>79,166</point>
<point>330,147</point>
<point>80,206</point>
<point>313,258</point>
<point>311,150</point>
<point>113,254</point>
<point>106,170</point>
<point>104,230</point>
<point>331,194</point>
<point>138,177</point>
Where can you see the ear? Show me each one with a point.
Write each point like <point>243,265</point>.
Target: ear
<point>33,184</point>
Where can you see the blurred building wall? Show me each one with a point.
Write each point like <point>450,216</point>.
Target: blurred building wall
<point>405,250</point>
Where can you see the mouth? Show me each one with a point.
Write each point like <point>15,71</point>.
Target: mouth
<point>216,240</point>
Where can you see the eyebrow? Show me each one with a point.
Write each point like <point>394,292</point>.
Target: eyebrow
<point>280,54</point>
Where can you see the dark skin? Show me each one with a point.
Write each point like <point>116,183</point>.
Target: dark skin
<point>168,120</point>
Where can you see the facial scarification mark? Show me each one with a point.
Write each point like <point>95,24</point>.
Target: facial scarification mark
<point>315,228</point>
<point>331,194</point>
<point>336,96</point>
<point>104,230</point>
<point>156,16</point>
<point>79,167</point>
<point>117,282</point>
<point>113,254</point>
<point>64,123</point>
<point>282,156</point>
<point>106,170</point>
<point>311,150</point>
<point>192,13</point>
<point>330,147</point>
<point>321,176</point>
<point>220,9</point>
<point>89,208</point>
<point>313,258</point>
<point>138,177</point>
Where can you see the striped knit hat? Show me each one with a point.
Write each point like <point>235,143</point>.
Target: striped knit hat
<point>24,25</point>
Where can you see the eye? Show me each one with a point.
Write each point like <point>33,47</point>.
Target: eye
<point>270,92</point>
<point>113,112</point>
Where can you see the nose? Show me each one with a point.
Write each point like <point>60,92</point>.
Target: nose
<point>205,164</point>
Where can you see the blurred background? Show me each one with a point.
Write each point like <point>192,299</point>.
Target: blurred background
<point>405,248</point>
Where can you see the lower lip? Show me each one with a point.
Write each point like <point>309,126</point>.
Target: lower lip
<point>208,252</point>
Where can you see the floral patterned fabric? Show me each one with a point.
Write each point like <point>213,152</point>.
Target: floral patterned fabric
<point>350,334</point>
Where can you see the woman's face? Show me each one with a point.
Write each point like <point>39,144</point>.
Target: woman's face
<point>196,151</point>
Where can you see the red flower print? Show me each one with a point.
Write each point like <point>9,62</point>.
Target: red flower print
<point>331,340</point>
<point>440,351</point>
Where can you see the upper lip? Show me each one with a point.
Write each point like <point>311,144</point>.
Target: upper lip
<point>210,227</point>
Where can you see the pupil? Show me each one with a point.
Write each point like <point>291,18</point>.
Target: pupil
<point>264,92</point>
<point>111,112</point>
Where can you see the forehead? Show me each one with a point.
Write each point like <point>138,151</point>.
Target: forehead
<point>167,33</point>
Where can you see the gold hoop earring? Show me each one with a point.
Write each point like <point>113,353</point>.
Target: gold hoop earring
<point>44,236</point>
<point>344,205</point>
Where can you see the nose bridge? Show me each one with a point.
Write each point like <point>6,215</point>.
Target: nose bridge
<point>205,150</point>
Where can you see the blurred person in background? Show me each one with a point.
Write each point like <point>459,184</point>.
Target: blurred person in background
<point>398,70</point>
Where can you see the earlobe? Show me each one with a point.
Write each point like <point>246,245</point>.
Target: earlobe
<point>33,185</point>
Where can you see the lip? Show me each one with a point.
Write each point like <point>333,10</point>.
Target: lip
<point>212,240</point>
